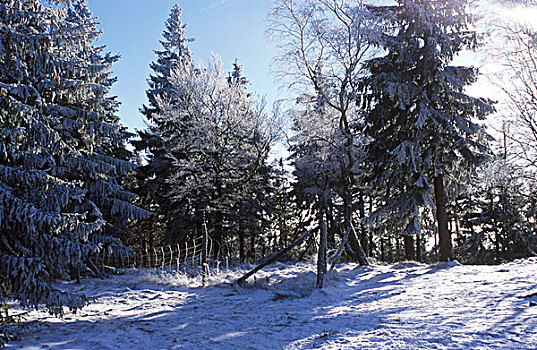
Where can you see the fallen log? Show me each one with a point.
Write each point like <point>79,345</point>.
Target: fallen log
<point>362,257</point>
<point>274,256</point>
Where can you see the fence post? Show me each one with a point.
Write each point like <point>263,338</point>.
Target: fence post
<point>194,254</point>
<point>171,256</point>
<point>204,266</point>
<point>163,257</point>
<point>156,257</point>
<point>186,253</point>
<point>210,251</point>
<point>321,259</point>
<point>178,256</point>
<point>148,258</point>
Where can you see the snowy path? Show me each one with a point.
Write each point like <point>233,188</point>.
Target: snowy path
<point>405,306</point>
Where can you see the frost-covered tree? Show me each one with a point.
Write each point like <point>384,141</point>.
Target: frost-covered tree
<point>256,205</point>
<point>287,216</point>
<point>59,177</point>
<point>517,80</point>
<point>324,45</point>
<point>497,211</point>
<point>151,186</point>
<point>206,145</point>
<point>219,147</point>
<point>101,138</point>
<point>423,126</point>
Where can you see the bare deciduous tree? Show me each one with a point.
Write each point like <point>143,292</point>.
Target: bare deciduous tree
<point>323,46</point>
<point>518,82</point>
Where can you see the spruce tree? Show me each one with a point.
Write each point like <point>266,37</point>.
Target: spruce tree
<point>151,185</point>
<point>498,220</point>
<point>59,178</point>
<point>103,138</point>
<point>422,124</point>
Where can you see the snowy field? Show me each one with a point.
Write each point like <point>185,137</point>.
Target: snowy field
<point>403,306</point>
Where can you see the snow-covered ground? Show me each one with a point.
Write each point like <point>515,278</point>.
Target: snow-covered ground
<point>403,306</point>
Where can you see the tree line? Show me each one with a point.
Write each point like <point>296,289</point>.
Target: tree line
<point>388,154</point>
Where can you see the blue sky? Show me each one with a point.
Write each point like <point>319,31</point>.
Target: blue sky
<point>230,28</point>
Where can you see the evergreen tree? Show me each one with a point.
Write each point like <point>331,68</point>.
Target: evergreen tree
<point>422,123</point>
<point>255,205</point>
<point>59,179</point>
<point>206,145</point>
<point>103,138</point>
<point>151,186</point>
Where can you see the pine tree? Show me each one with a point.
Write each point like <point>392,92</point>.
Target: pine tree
<point>151,186</point>
<point>104,138</point>
<point>59,179</point>
<point>422,123</point>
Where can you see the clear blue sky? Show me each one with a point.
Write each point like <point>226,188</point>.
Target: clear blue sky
<point>229,28</point>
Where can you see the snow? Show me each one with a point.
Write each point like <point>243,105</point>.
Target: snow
<point>402,306</point>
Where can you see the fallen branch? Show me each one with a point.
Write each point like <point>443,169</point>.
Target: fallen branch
<point>274,256</point>
<point>362,257</point>
<point>339,251</point>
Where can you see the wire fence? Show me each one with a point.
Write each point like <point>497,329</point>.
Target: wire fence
<point>189,255</point>
<point>175,256</point>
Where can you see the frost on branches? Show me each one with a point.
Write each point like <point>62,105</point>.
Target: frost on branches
<point>62,151</point>
<point>150,179</point>
<point>422,123</point>
<point>206,146</point>
<point>218,147</point>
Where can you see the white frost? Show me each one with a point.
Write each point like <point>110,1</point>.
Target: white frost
<point>403,306</point>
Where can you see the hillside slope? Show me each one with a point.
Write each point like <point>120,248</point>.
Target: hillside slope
<point>403,306</point>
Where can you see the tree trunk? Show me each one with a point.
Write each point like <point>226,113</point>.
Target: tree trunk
<point>204,263</point>
<point>418,248</point>
<point>342,245</point>
<point>409,247</point>
<point>363,232</point>
<point>219,233</point>
<point>354,241</point>
<point>331,225</point>
<point>444,235</point>
<point>242,244</point>
<point>321,259</point>
<point>390,248</point>
<point>371,230</point>
<point>397,247</point>
<point>362,257</point>
<point>382,255</point>
<point>458,232</point>
<point>252,246</point>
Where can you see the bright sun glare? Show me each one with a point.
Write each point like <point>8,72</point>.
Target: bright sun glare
<point>524,14</point>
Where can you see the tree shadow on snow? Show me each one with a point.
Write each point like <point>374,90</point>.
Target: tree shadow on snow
<point>227,317</point>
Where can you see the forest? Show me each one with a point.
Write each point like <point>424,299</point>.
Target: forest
<point>385,153</point>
